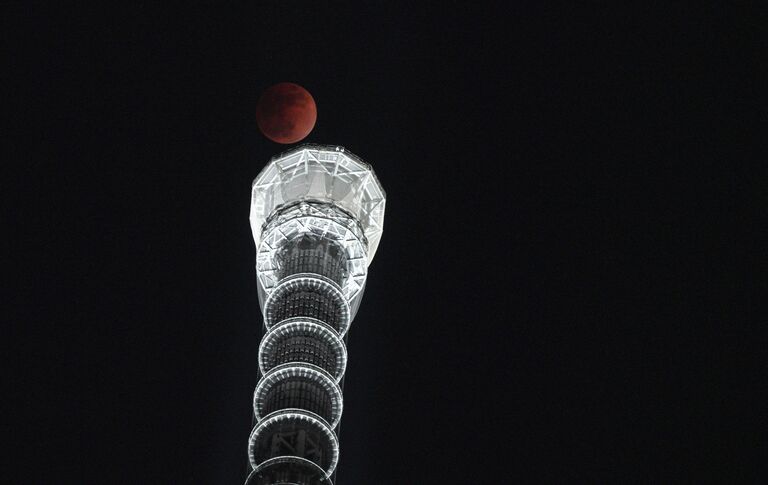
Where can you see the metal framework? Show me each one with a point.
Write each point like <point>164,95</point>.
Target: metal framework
<point>317,215</point>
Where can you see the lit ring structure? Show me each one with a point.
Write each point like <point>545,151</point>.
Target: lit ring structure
<point>303,339</point>
<point>288,470</point>
<point>295,421</point>
<point>322,220</point>
<point>299,385</point>
<point>334,305</point>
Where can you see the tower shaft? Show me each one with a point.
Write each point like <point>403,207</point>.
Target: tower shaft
<point>312,213</point>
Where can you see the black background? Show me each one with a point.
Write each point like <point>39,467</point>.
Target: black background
<point>559,295</point>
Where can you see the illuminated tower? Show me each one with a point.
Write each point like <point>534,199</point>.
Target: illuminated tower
<point>317,215</point>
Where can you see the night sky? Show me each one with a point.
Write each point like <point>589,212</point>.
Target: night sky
<point>559,295</point>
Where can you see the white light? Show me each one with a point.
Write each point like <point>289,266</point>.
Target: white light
<point>308,281</point>
<point>300,415</point>
<point>322,173</point>
<point>317,215</point>
<point>302,370</point>
<point>322,220</point>
<point>303,326</point>
<point>302,462</point>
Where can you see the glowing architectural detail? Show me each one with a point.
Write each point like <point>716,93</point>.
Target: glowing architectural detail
<point>317,215</point>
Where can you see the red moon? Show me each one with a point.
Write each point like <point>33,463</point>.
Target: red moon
<point>286,113</point>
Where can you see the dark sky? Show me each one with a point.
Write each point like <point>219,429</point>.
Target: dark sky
<point>558,296</point>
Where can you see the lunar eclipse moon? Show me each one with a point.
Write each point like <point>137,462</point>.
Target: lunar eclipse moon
<point>286,113</point>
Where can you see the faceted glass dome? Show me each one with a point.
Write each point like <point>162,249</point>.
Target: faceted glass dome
<point>322,173</point>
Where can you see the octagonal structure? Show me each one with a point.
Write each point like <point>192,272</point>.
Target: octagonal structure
<point>323,173</point>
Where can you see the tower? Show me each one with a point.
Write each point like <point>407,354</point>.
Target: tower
<point>317,215</point>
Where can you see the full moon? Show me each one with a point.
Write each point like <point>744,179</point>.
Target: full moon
<point>286,113</point>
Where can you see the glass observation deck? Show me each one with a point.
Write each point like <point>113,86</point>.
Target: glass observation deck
<point>322,173</point>
<point>320,207</point>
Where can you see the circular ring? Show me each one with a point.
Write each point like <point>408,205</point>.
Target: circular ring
<point>304,386</point>
<point>287,423</point>
<point>309,282</point>
<point>326,349</point>
<point>318,218</point>
<point>288,468</point>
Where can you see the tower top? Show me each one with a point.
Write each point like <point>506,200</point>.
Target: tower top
<point>324,173</point>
